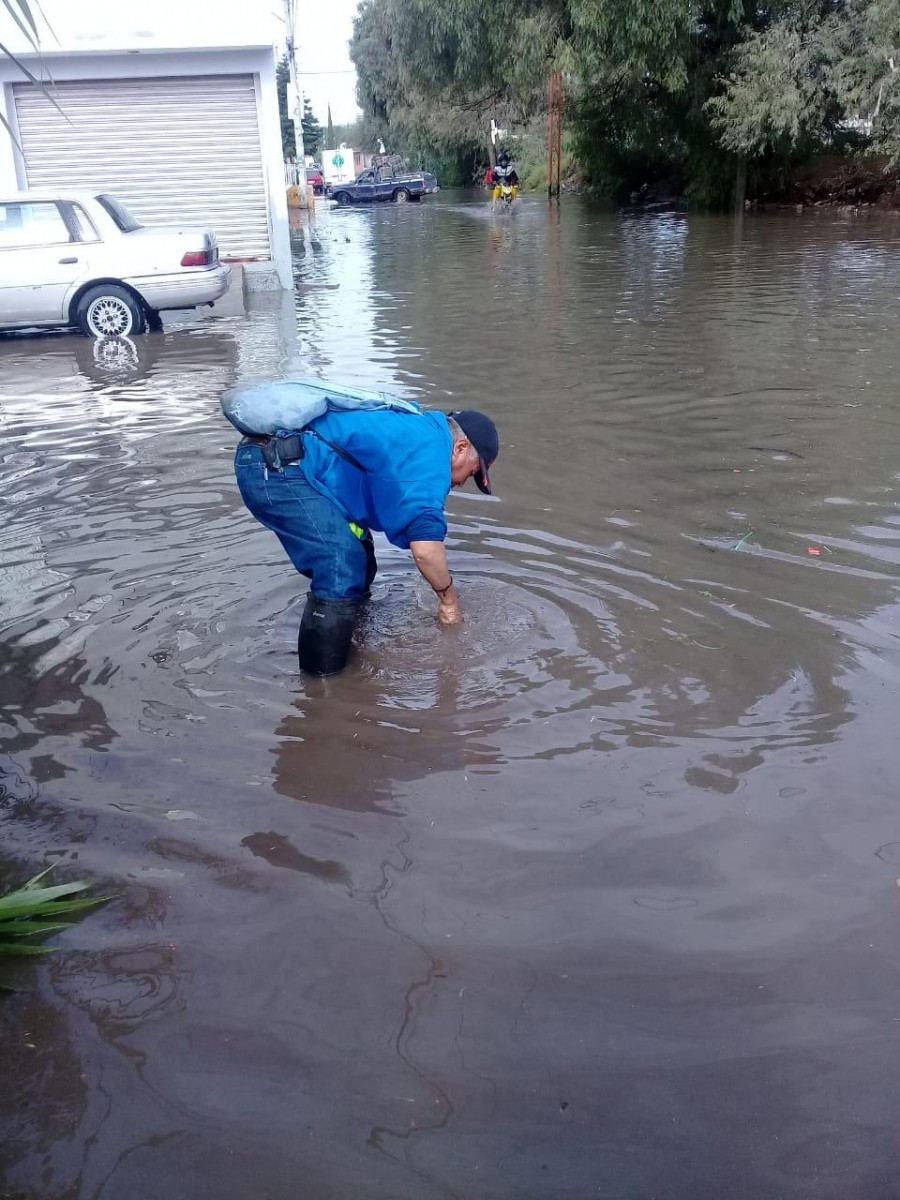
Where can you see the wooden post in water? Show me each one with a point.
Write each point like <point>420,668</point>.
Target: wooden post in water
<point>554,136</point>
<point>740,183</point>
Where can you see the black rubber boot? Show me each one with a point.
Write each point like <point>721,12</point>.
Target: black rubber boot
<point>371,562</point>
<point>323,643</point>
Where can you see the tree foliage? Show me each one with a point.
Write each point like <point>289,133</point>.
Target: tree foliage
<point>311,129</point>
<point>680,88</point>
<point>782,91</point>
<point>869,74</point>
<point>350,134</point>
<point>433,73</point>
<point>282,79</point>
<point>444,68</point>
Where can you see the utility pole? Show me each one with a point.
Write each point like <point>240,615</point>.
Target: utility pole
<point>554,136</point>
<point>290,33</point>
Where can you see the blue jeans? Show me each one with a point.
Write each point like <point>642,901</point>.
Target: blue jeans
<point>316,535</point>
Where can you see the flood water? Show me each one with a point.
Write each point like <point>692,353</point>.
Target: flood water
<point>594,896</point>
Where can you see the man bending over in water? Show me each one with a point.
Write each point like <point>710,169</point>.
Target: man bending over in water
<point>323,490</point>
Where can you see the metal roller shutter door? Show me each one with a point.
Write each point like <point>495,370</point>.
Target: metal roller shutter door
<point>175,150</point>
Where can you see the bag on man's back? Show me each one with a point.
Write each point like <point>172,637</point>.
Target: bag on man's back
<point>287,405</point>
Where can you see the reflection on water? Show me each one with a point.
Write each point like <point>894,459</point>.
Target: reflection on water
<point>596,870</point>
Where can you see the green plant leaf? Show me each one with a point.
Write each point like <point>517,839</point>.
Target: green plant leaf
<point>35,879</point>
<point>21,948</point>
<point>25,71</point>
<point>36,895</point>
<point>56,909</point>
<point>23,913</point>
<point>51,30</point>
<point>33,79</point>
<point>17,12</point>
<point>9,129</point>
<point>32,928</point>
<point>25,9</point>
<point>16,903</point>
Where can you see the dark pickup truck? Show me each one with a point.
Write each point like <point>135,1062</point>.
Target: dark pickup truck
<point>383,183</point>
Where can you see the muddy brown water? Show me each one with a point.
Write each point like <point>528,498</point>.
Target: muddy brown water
<point>594,896</point>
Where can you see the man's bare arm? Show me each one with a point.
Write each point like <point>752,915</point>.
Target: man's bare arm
<point>431,559</point>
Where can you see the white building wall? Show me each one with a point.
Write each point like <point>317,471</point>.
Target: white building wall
<point>136,64</point>
<point>273,160</point>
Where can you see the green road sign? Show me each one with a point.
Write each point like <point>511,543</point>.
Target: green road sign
<point>338,160</point>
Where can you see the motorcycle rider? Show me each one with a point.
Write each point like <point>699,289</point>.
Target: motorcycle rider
<point>505,173</point>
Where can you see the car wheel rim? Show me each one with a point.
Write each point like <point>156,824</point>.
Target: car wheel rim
<point>402,197</point>
<point>108,316</point>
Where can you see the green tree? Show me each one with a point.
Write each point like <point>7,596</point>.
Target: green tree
<point>644,77</point>
<point>868,78</point>
<point>352,134</point>
<point>438,71</point>
<point>282,79</point>
<point>312,130</point>
<point>781,92</point>
<point>698,90</point>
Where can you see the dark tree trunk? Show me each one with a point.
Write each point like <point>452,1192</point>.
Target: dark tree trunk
<point>740,183</point>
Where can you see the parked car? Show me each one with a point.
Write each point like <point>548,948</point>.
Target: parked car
<point>81,258</point>
<point>315,179</point>
<point>384,183</point>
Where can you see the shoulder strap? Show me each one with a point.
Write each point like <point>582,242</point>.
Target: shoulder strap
<point>345,454</point>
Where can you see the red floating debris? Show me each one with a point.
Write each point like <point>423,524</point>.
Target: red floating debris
<point>813,550</point>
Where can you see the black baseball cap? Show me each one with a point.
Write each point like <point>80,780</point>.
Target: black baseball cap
<point>482,433</point>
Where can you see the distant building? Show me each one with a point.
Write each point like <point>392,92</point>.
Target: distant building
<point>171,106</point>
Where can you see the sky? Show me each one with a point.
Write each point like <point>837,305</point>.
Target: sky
<point>326,73</point>
<point>323,31</point>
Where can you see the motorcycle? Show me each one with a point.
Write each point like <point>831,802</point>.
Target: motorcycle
<point>506,199</point>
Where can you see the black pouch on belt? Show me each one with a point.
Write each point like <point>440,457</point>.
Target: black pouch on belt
<point>281,451</point>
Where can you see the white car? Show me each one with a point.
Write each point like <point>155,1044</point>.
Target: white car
<point>81,258</point>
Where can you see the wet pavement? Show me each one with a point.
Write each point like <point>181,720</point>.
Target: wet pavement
<point>594,896</point>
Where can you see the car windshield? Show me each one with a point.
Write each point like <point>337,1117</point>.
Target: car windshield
<point>123,217</point>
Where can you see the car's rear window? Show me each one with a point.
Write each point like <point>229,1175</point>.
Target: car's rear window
<point>123,217</point>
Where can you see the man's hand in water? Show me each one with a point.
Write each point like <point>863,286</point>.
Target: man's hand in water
<point>449,612</point>
<point>431,559</point>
